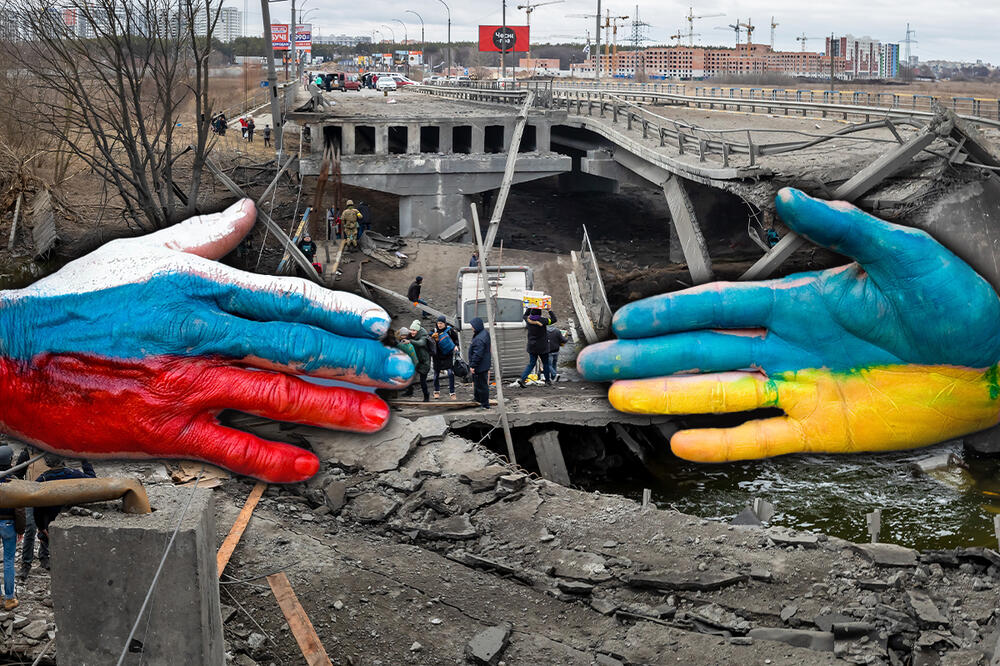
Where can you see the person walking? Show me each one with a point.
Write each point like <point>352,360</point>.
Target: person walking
<point>480,362</point>
<point>422,346</point>
<point>538,343</point>
<point>445,342</point>
<point>44,515</point>
<point>556,340</point>
<point>474,261</point>
<point>243,126</point>
<point>267,135</point>
<point>366,218</point>
<point>308,247</point>
<point>350,218</point>
<point>404,344</point>
<point>32,471</point>
<point>251,126</point>
<point>8,535</point>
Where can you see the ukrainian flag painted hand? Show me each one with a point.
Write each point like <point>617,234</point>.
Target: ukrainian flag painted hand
<point>897,350</point>
<point>133,350</point>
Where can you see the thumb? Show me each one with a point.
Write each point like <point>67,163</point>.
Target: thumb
<point>210,236</point>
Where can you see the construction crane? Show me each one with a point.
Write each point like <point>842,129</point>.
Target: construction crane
<point>612,22</point>
<point>773,26</point>
<point>733,26</point>
<point>749,27</point>
<point>805,39</point>
<point>690,19</point>
<point>681,34</point>
<point>530,7</point>
<point>597,39</point>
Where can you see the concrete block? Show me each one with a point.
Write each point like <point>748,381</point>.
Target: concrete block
<point>454,232</point>
<point>102,569</point>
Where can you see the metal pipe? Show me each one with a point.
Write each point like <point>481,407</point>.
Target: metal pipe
<point>18,468</point>
<point>15,494</point>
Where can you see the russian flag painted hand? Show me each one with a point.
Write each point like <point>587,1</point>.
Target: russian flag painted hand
<point>897,350</point>
<point>133,350</point>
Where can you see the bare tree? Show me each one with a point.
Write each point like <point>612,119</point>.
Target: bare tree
<point>117,82</point>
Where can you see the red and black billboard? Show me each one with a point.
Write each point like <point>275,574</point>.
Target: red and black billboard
<point>497,38</point>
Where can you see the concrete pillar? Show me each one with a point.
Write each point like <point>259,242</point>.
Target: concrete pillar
<point>478,139</point>
<point>102,569</point>
<point>347,139</point>
<point>508,134</point>
<point>427,215</point>
<point>543,137</point>
<point>692,241</point>
<point>446,139</point>
<point>381,139</point>
<point>413,138</point>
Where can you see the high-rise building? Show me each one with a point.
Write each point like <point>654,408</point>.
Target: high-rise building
<point>888,61</point>
<point>230,25</point>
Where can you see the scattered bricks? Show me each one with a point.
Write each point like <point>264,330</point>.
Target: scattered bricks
<point>814,640</point>
<point>887,554</point>
<point>371,508</point>
<point>697,581</point>
<point>482,480</point>
<point>487,646</point>
<point>927,613</point>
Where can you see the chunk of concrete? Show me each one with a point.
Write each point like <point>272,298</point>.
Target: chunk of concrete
<point>574,587</point>
<point>102,569</point>
<point>454,232</point>
<point>376,452</point>
<point>371,508</point>
<point>826,621</point>
<point>453,528</point>
<point>334,495</point>
<point>887,554</point>
<point>704,581</point>
<point>814,640</point>
<point>783,538</point>
<point>761,573</point>
<point>925,609</point>
<point>484,479</point>
<point>35,630</point>
<point>578,565</point>
<point>488,645</point>
<point>431,428</point>
<point>604,605</point>
<point>746,518</point>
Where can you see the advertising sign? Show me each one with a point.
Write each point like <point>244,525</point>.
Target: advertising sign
<point>303,37</point>
<point>279,37</point>
<point>497,38</point>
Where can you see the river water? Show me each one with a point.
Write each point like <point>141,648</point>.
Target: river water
<point>944,508</point>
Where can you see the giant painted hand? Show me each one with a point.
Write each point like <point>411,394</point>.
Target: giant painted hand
<point>897,350</point>
<point>133,350</point>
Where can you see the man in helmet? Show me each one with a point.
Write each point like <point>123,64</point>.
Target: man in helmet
<point>350,218</point>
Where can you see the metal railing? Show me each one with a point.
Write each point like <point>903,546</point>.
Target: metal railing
<point>592,286</point>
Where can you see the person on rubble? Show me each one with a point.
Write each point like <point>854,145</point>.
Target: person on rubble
<point>267,135</point>
<point>308,247</point>
<point>556,340</point>
<point>30,529</point>
<point>11,526</point>
<point>243,126</point>
<point>445,342</point>
<point>422,344</point>
<point>480,362</point>
<point>474,260</point>
<point>44,515</point>
<point>538,343</point>
<point>366,218</point>
<point>251,126</point>
<point>350,218</point>
<point>404,344</point>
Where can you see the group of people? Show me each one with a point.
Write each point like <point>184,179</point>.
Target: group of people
<point>219,125</point>
<point>428,350</point>
<point>544,342</point>
<point>350,223</point>
<point>30,523</point>
<point>369,80</point>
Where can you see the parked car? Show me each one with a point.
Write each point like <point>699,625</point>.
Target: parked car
<point>403,81</point>
<point>386,83</point>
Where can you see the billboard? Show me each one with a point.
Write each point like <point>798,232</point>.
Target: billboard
<point>279,37</point>
<point>498,38</point>
<point>303,38</point>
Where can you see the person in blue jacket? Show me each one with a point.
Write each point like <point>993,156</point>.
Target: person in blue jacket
<point>8,534</point>
<point>479,363</point>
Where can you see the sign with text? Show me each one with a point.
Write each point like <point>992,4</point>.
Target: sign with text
<point>279,37</point>
<point>303,37</point>
<point>497,38</point>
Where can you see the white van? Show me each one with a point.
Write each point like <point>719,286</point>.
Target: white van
<point>507,285</point>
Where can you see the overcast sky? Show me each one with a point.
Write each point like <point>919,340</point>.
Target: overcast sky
<point>945,29</point>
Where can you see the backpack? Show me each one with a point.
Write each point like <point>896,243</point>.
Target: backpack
<point>444,342</point>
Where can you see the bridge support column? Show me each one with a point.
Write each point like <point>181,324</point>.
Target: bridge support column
<point>413,138</point>
<point>427,215</point>
<point>347,140</point>
<point>478,139</point>
<point>381,139</point>
<point>445,139</point>
<point>543,137</point>
<point>692,241</point>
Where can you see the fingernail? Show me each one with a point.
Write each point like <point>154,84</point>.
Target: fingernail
<point>306,465</point>
<point>375,320</point>
<point>374,412</point>
<point>399,367</point>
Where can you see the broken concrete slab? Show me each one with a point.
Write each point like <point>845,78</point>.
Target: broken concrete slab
<point>378,452</point>
<point>825,621</point>
<point>787,612</point>
<point>431,428</point>
<point>487,646</point>
<point>578,565</point>
<point>454,232</point>
<point>334,495</point>
<point>35,630</point>
<point>925,609</point>
<point>814,640</point>
<point>452,528</point>
<point>604,605</point>
<point>887,554</point>
<point>783,538</point>
<point>371,508</point>
<point>761,574</point>
<point>718,617</point>
<point>484,479</point>
<point>746,518</point>
<point>511,483</point>
<point>574,587</point>
<point>704,581</point>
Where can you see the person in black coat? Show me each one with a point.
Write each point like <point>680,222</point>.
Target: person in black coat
<point>480,362</point>
<point>57,471</point>
<point>556,340</point>
<point>444,355</point>
<point>538,343</point>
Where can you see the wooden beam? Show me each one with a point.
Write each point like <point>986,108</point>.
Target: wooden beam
<point>295,239</point>
<point>885,166</point>
<point>13,226</point>
<point>401,297</point>
<point>305,635</point>
<point>581,310</point>
<point>242,520</point>
<point>508,175</point>
<point>549,455</point>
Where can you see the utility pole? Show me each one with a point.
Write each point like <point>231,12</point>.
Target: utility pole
<point>831,62</point>
<point>597,43</point>
<point>448,73</point>
<point>272,78</point>
<point>423,45</point>
<point>503,42</point>
<point>291,37</point>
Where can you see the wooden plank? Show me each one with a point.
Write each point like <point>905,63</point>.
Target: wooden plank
<point>295,239</point>
<point>581,310</point>
<point>331,272</point>
<point>549,455</point>
<point>508,176</point>
<point>305,635</point>
<point>401,297</point>
<point>236,533</point>
<point>13,226</point>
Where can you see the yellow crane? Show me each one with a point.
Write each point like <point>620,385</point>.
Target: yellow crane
<point>690,19</point>
<point>529,7</point>
<point>749,27</point>
<point>805,39</point>
<point>773,26</point>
